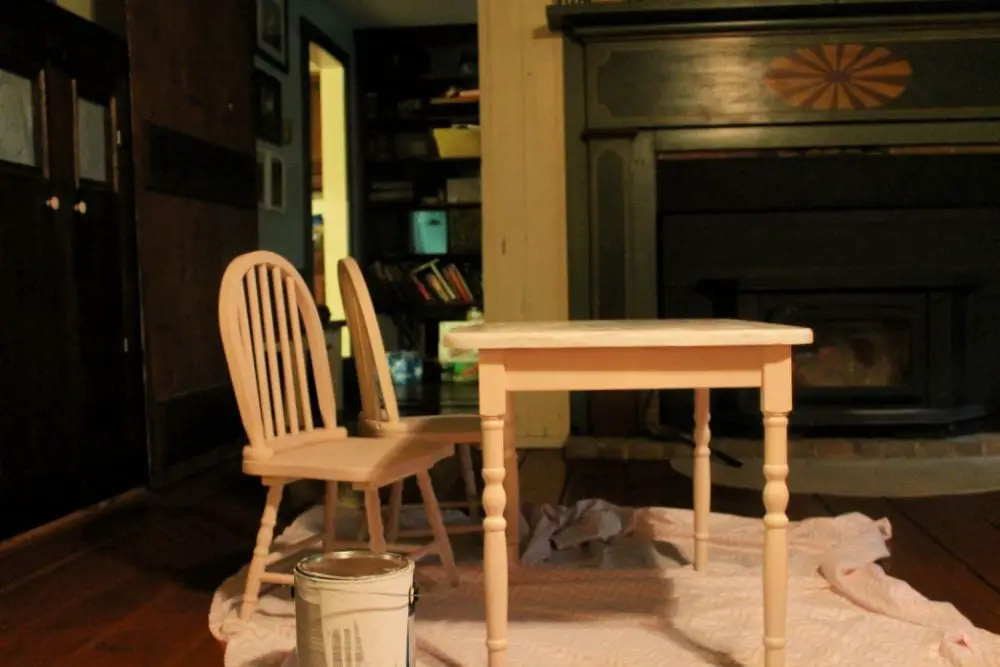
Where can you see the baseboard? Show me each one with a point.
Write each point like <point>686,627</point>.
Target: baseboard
<point>75,518</point>
<point>540,442</point>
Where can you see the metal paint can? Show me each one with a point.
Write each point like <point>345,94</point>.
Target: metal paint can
<point>355,609</point>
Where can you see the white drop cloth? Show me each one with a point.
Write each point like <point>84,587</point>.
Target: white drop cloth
<point>612,586</point>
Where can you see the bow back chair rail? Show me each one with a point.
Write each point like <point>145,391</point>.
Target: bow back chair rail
<point>380,416</point>
<point>273,342</point>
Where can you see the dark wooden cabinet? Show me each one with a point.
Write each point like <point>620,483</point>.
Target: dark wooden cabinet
<point>70,376</point>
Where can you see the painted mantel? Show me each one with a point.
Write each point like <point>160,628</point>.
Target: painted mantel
<point>650,77</point>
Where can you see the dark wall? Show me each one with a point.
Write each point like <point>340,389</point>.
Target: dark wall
<point>192,63</point>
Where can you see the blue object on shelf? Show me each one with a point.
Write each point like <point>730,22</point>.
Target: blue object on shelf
<point>429,232</point>
<point>406,367</point>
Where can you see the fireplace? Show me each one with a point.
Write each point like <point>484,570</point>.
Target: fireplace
<point>885,253</point>
<point>834,165</point>
<point>880,358</point>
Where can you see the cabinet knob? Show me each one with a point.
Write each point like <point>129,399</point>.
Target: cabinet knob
<point>53,203</point>
<point>80,207</point>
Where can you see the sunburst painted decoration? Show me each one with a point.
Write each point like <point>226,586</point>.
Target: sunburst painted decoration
<point>838,77</point>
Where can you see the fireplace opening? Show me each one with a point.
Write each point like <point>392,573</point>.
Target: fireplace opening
<point>879,358</point>
<point>887,254</point>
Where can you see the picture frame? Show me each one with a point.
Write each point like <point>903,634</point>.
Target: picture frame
<point>272,180</point>
<point>272,32</point>
<point>268,120</point>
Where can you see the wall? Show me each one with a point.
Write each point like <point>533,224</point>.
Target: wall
<point>524,185</point>
<point>285,232</point>
<point>109,14</point>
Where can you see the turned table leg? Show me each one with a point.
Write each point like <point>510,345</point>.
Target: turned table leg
<point>492,406</point>
<point>776,403</point>
<point>702,478</point>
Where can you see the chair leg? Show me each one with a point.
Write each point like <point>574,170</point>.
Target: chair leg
<point>373,511</point>
<point>395,508</point>
<point>436,521</point>
<point>469,477</point>
<point>332,499</point>
<point>261,550</point>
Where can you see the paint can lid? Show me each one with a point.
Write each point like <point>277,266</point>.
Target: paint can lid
<point>352,564</point>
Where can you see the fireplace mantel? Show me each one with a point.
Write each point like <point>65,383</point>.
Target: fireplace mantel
<point>586,17</point>
<point>649,78</point>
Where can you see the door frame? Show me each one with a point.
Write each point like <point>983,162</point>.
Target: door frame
<point>310,33</point>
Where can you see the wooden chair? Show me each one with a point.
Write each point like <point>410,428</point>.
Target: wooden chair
<point>380,416</point>
<point>264,308</point>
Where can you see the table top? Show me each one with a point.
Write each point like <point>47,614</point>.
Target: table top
<point>611,334</point>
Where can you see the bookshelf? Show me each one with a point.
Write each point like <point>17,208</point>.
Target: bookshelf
<point>421,224</point>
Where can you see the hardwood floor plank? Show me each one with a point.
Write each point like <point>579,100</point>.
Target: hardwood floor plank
<point>968,527</point>
<point>926,565</point>
<point>165,625</point>
<point>133,590</point>
<point>655,483</point>
<point>62,612</point>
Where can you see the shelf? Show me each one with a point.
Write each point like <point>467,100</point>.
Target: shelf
<point>426,160</point>
<point>410,123</point>
<point>432,311</point>
<point>416,257</point>
<point>438,397</point>
<point>421,206</point>
<point>450,78</point>
<point>448,101</point>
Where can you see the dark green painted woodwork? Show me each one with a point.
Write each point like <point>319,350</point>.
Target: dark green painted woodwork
<point>720,80</point>
<point>664,77</point>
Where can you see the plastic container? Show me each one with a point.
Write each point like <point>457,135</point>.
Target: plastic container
<point>458,142</point>
<point>354,609</point>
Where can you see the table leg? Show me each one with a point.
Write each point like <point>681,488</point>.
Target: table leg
<point>512,513</point>
<point>776,403</point>
<point>492,405</point>
<point>702,478</point>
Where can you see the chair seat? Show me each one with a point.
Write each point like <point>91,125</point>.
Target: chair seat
<point>457,428</point>
<point>376,461</point>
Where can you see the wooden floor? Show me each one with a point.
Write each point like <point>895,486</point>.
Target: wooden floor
<point>133,588</point>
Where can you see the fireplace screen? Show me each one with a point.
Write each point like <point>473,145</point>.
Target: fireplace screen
<point>861,353</point>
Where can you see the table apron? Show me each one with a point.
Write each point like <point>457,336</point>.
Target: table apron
<point>600,369</point>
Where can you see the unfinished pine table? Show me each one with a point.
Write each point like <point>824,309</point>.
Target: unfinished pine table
<point>634,354</point>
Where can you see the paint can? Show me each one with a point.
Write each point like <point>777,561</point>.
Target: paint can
<point>355,609</point>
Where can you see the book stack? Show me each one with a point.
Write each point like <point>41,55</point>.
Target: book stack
<point>441,283</point>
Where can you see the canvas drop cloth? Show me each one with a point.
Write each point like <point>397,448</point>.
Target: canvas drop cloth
<point>611,586</point>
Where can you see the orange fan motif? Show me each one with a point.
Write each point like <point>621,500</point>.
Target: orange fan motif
<point>838,77</point>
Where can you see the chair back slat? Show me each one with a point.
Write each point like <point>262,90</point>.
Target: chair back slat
<point>378,397</point>
<point>283,317</point>
<point>264,306</point>
<point>300,357</point>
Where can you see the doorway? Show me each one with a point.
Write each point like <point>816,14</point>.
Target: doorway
<point>328,183</point>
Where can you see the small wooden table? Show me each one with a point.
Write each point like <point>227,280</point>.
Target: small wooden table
<point>635,354</point>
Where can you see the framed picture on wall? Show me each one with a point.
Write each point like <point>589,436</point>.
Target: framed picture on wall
<point>267,111</point>
<point>272,32</point>
<point>271,180</point>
